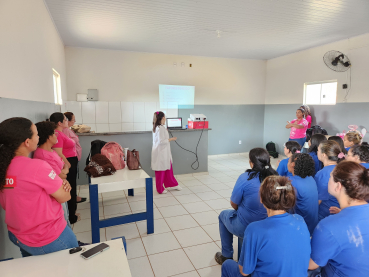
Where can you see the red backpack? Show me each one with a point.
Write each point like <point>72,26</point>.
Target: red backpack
<point>114,152</point>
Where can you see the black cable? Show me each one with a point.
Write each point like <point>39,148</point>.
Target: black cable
<point>195,153</point>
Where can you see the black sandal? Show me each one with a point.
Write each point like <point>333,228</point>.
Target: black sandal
<point>83,199</point>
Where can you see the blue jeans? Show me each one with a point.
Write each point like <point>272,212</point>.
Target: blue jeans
<point>66,240</point>
<point>229,225</point>
<point>230,269</point>
<point>300,141</point>
<point>66,213</point>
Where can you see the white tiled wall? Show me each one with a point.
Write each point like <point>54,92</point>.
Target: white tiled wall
<point>118,116</point>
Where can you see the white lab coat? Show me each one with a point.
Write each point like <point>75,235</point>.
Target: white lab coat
<point>161,156</point>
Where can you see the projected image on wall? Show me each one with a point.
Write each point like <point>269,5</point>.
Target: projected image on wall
<point>173,97</point>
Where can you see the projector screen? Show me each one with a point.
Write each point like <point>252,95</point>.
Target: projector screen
<point>173,97</point>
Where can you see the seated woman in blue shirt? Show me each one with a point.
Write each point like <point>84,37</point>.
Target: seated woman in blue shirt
<point>351,138</point>
<point>277,246</point>
<point>339,140</point>
<point>290,147</point>
<point>359,154</point>
<point>302,168</point>
<point>329,153</point>
<point>245,201</point>
<point>314,142</point>
<point>340,243</point>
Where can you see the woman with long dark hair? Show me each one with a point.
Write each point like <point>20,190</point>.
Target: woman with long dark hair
<point>314,142</point>
<point>245,201</point>
<point>339,140</point>
<point>278,245</point>
<point>161,156</point>
<point>66,149</point>
<point>340,243</point>
<point>31,193</point>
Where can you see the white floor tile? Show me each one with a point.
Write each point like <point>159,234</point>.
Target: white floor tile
<point>172,211</point>
<point>140,267</point>
<point>128,230</point>
<point>211,271</point>
<point>206,218</point>
<point>198,207</point>
<point>137,197</point>
<point>114,200</point>
<point>82,226</point>
<point>218,186</point>
<point>113,194</point>
<point>170,263</point>
<point>212,230</point>
<point>167,201</point>
<point>181,222</point>
<point>192,236</point>
<point>139,206</point>
<point>202,255</point>
<point>184,191</point>
<point>200,174</point>
<point>197,189</point>
<point>188,198</point>
<point>210,181</point>
<point>230,184</point>
<point>86,237</point>
<point>160,226</point>
<point>226,179</point>
<point>217,174</point>
<point>86,213</point>
<point>190,183</point>
<point>225,192</point>
<point>187,274</point>
<point>116,209</point>
<point>135,248</point>
<point>158,243</point>
<point>209,195</point>
<point>219,204</point>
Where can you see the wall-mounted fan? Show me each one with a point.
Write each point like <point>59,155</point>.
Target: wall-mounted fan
<point>337,61</point>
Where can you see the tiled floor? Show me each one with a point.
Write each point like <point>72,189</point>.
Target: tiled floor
<point>186,234</point>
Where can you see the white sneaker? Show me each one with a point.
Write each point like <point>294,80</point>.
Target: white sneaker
<point>164,191</point>
<point>178,187</point>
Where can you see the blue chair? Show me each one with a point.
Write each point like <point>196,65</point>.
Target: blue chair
<point>124,242</point>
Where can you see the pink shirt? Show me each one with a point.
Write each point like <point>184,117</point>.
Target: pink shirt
<point>52,158</point>
<point>308,118</point>
<point>70,134</point>
<point>32,215</point>
<point>68,145</point>
<point>299,133</point>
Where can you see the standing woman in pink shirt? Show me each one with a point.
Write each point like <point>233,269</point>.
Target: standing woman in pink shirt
<point>31,193</point>
<point>66,149</point>
<point>307,114</point>
<point>298,127</point>
<point>70,134</point>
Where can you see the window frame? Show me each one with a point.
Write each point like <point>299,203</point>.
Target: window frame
<point>319,83</point>
<point>57,88</point>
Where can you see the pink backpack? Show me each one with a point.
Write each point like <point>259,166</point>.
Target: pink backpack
<point>114,152</point>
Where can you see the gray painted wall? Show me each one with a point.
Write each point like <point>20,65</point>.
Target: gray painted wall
<point>333,118</point>
<point>182,160</point>
<point>35,111</point>
<point>230,124</point>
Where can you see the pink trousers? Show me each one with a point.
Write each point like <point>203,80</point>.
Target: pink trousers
<point>165,178</point>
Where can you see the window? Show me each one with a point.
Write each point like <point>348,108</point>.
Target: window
<point>323,93</point>
<point>57,88</point>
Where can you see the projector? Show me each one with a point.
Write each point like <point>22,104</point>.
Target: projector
<point>197,117</point>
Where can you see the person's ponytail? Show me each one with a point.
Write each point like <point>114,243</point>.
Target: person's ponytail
<point>260,159</point>
<point>13,132</point>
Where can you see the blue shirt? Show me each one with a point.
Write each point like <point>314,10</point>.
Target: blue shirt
<point>318,164</point>
<point>246,195</point>
<point>340,243</point>
<point>347,148</point>
<point>283,169</point>
<point>276,246</point>
<point>307,204</point>
<point>321,179</point>
<point>366,165</point>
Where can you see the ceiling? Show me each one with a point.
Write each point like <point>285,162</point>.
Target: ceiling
<point>248,29</point>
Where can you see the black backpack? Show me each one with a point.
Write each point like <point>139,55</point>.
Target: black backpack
<point>315,130</point>
<point>270,147</point>
<point>96,146</point>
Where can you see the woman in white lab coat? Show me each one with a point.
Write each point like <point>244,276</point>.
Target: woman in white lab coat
<point>161,156</point>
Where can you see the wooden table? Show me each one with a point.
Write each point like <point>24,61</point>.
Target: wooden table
<point>121,180</point>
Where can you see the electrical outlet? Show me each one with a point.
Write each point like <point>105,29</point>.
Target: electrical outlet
<point>240,142</point>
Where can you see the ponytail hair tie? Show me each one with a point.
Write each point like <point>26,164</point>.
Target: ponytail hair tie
<point>298,151</point>
<point>341,155</point>
<point>157,113</point>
